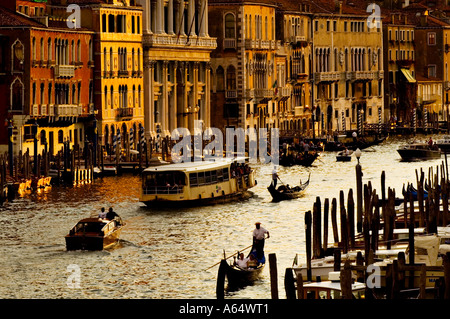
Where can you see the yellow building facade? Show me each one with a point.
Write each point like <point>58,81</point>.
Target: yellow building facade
<point>245,65</point>
<point>118,77</point>
<point>348,72</point>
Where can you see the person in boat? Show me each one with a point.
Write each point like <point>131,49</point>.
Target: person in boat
<point>259,236</point>
<point>111,214</point>
<point>102,213</point>
<point>274,177</point>
<point>252,262</point>
<point>242,262</point>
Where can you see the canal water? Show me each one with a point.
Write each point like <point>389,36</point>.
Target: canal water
<point>164,253</point>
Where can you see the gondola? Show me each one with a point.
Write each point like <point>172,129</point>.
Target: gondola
<point>299,158</point>
<point>283,192</point>
<point>342,157</point>
<point>238,277</point>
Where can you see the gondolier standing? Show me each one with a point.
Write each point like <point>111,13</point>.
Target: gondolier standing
<point>274,177</point>
<point>259,236</point>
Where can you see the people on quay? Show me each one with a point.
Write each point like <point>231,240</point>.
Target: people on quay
<point>102,213</point>
<point>259,237</point>
<point>242,262</point>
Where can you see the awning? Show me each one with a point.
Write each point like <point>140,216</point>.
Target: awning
<point>408,75</point>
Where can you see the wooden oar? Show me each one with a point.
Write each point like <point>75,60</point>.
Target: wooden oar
<point>229,256</point>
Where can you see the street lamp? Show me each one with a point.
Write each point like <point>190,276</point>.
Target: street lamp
<point>358,154</point>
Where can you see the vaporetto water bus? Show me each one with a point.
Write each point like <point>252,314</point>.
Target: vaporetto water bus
<point>197,183</point>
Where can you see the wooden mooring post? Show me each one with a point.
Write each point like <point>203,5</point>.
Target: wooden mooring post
<point>273,275</point>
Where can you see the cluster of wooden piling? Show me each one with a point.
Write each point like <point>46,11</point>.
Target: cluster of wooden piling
<point>360,227</point>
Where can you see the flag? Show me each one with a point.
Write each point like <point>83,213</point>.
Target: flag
<point>275,86</point>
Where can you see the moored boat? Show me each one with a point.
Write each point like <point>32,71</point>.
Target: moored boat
<point>305,158</point>
<point>284,192</point>
<point>444,143</point>
<point>196,183</point>
<point>419,151</point>
<point>94,234</point>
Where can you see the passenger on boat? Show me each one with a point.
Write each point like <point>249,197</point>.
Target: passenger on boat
<point>242,262</point>
<point>111,214</point>
<point>259,236</point>
<point>252,262</point>
<point>102,213</point>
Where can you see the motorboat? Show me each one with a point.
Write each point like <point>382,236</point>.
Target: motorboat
<point>419,151</point>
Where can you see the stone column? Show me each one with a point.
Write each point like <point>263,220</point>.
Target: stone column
<point>149,120</point>
<point>202,16</point>
<point>159,16</point>
<point>170,17</point>
<point>191,18</point>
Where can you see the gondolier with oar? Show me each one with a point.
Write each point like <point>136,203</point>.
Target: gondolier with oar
<point>274,177</point>
<point>259,236</point>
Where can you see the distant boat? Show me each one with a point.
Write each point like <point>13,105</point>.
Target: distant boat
<point>444,143</point>
<point>94,234</point>
<point>344,156</point>
<point>299,158</point>
<point>285,193</point>
<point>419,151</point>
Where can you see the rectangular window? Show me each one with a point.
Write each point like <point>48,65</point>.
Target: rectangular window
<point>431,38</point>
<point>193,179</point>
<point>432,70</point>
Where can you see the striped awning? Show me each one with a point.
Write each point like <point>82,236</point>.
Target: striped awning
<point>408,75</point>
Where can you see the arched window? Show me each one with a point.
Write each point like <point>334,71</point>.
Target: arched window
<point>230,27</point>
<point>34,49</point>
<point>17,95</point>
<point>49,50</point>
<point>231,78</point>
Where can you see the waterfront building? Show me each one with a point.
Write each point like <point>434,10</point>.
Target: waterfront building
<point>46,79</point>
<point>348,68</point>
<point>118,52</point>
<point>399,64</point>
<point>176,55</point>
<point>432,37</point>
<point>245,64</point>
<point>294,86</point>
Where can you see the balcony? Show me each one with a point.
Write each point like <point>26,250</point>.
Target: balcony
<point>124,73</point>
<point>124,113</point>
<point>165,40</point>
<point>298,111</point>
<point>298,39</point>
<point>229,43</point>
<point>231,94</point>
<point>428,98</point>
<point>250,93</point>
<point>284,92</point>
<point>64,71</point>
<point>327,76</point>
<point>67,110</point>
<point>264,93</point>
<point>252,44</point>
<point>361,75</point>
